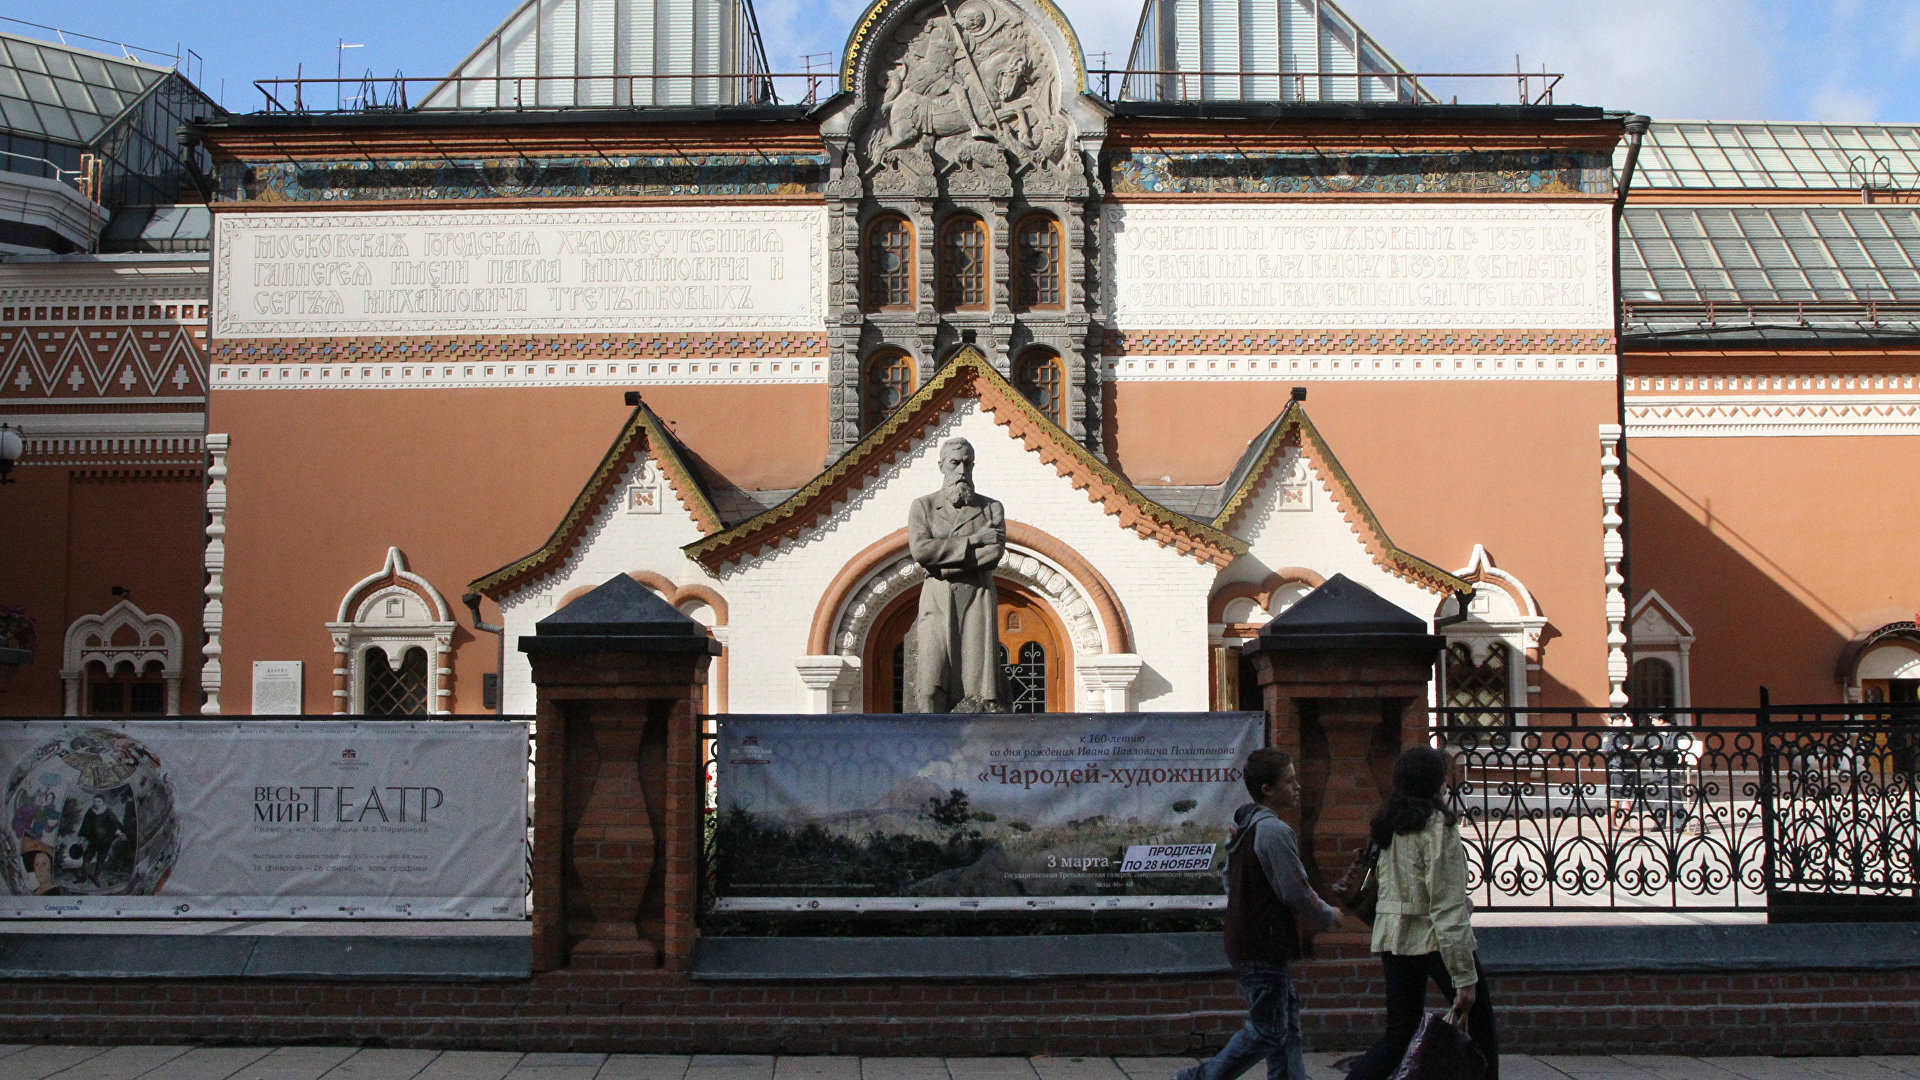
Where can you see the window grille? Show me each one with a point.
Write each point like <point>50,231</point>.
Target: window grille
<point>1650,685</point>
<point>1485,685</point>
<point>889,381</point>
<point>1040,378</point>
<point>1037,259</point>
<point>890,264</point>
<point>395,693</point>
<point>1026,680</point>
<point>963,264</point>
<point>126,692</point>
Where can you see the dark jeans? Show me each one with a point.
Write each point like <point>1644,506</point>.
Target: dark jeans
<point>1407,978</point>
<point>1272,1031</point>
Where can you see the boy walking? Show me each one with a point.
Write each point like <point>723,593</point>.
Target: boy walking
<point>1266,888</point>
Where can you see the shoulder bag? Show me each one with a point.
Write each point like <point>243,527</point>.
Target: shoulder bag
<point>1358,890</point>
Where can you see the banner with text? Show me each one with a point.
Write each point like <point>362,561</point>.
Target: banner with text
<point>260,819</point>
<point>1067,811</point>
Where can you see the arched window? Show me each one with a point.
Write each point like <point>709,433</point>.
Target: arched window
<point>1650,685</point>
<point>889,379</point>
<point>1042,380</point>
<point>1038,261</point>
<point>889,263</point>
<point>125,690</point>
<point>1482,685</point>
<point>963,264</point>
<point>392,689</point>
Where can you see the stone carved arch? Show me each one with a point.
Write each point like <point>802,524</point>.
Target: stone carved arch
<point>1260,592</point>
<point>123,634</point>
<point>394,610</point>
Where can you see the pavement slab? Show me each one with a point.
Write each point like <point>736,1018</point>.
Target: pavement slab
<point>206,1063</point>
<point>809,1067</point>
<point>382,1065</point>
<point>119,1063</point>
<point>1076,1068</point>
<point>1589,1067</point>
<point>645,1067</point>
<point>39,1062</point>
<point>1905,1063</point>
<point>296,1063</point>
<point>1527,1067</point>
<point>1675,1067</point>
<point>471,1065</point>
<point>555,1072</point>
<point>1158,1068</point>
<point>730,1067</point>
<point>1766,1068</point>
<point>923,1068</point>
<point>1853,1069</point>
<point>990,1068</point>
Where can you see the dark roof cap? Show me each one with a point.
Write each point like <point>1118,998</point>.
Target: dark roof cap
<point>1344,614</point>
<point>621,615</point>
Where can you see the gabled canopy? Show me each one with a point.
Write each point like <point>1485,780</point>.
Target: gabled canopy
<point>1267,50</point>
<point>560,53</point>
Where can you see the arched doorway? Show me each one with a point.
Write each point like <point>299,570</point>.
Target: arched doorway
<point>1033,652</point>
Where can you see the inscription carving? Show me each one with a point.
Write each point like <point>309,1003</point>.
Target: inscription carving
<point>969,94</point>
<point>506,271</point>
<point>1517,267</point>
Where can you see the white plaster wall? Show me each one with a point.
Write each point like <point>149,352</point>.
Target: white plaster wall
<point>1317,538</point>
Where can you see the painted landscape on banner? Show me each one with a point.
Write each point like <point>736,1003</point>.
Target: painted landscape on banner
<point>264,819</point>
<point>868,812</point>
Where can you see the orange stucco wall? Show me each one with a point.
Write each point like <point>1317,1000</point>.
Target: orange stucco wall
<point>321,483</point>
<point>1777,551</point>
<point>1514,466</point>
<point>72,535</point>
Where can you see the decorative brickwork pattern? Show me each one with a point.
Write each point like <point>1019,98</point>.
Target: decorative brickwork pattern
<point>82,362</point>
<point>1282,342</point>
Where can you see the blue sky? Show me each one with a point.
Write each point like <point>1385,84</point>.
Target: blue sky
<point>1674,59</point>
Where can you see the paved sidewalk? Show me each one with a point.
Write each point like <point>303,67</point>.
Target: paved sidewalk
<point>347,1063</point>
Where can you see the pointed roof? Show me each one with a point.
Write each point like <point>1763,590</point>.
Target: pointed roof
<point>1346,614</point>
<point>69,95</point>
<point>1181,39</point>
<point>1294,428</point>
<point>643,433</point>
<point>623,615</point>
<point>968,375</point>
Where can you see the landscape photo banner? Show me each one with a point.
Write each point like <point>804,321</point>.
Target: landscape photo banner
<point>986,812</point>
<point>262,819</point>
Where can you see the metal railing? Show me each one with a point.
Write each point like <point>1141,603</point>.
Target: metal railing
<point>472,93</point>
<point>1406,87</point>
<point>1868,312</point>
<point>1695,810</point>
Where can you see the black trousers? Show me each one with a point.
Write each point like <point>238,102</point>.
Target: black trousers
<point>1407,978</point>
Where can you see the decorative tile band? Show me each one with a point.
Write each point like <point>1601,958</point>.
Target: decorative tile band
<point>516,178</point>
<point>1591,367</point>
<point>1752,416</point>
<point>401,375</point>
<point>1144,172</point>
<point>519,348</point>
<point>1358,340</point>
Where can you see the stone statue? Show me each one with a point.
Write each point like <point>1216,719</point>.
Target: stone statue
<point>969,92</point>
<point>958,535</point>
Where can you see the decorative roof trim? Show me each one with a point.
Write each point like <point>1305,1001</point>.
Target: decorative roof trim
<point>1295,428</point>
<point>968,375</point>
<point>643,431</point>
<point>394,572</point>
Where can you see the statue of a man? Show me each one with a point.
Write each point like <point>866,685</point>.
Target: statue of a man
<point>959,535</point>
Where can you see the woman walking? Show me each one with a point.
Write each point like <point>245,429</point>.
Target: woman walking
<point>1422,929</point>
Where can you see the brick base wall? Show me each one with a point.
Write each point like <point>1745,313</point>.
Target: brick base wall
<point>609,1009</point>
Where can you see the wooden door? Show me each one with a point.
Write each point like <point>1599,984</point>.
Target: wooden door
<point>1038,669</point>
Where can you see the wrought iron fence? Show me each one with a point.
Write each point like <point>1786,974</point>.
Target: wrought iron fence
<point>1698,810</point>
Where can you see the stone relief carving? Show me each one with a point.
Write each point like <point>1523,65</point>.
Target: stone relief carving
<point>969,96</point>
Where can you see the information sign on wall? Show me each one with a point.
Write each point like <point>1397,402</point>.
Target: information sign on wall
<point>264,819</point>
<point>892,813</point>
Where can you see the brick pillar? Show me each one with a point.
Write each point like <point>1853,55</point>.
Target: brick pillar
<point>1344,675</point>
<point>617,779</point>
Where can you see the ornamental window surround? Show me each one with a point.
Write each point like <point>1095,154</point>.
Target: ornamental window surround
<point>888,381</point>
<point>1493,653</point>
<point>963,264</point>
<point>122,662</point>
<point>1041,379</point>
<point>1660,677</point>
<point>889,264</point>
<point>1038,263</point>
<point>392,645</point>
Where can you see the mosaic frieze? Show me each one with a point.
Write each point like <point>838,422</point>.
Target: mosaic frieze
<point>694,174</point>
<point>1146,172</point>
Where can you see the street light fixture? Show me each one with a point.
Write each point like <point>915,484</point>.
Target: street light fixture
<point>11,447</point>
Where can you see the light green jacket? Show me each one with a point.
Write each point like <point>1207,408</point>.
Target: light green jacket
<point>1423,899</point>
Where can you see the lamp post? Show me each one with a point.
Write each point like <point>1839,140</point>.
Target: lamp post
<point>11,447</point>
<point>339,69</point>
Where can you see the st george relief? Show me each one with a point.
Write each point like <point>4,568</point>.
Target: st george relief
<point>969,94</point>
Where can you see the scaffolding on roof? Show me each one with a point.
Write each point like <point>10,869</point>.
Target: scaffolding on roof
<point>1261,50</point>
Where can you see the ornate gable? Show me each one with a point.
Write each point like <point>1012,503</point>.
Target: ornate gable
<point>644,434</point>
<point>967,375</point>
<point>1288,452</point>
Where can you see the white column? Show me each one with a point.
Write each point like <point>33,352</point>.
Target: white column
<point>827,678</point>
<point>1613,550</point>
<point>1111,676</point>
<point>216,565</point>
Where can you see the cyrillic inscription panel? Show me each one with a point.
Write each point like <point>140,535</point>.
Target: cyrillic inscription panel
<point>1275,267</point>
<point>518,271</point>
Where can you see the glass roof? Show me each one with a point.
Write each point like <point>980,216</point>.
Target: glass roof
<point>1692,154</point>
<point>65,94</point>
<point>1752,254</point>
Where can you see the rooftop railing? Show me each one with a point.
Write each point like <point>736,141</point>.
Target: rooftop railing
<point>540,92</point>
<point>1288,87</point>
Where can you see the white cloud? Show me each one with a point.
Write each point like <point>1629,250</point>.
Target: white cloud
<point>1834,104</point>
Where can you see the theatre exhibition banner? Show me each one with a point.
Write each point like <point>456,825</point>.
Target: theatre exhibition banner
<point>262,819</point>
<point>1002,812</point>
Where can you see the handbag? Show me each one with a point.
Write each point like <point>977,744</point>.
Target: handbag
<point>1440,1050</point>
<point>1358,890</point>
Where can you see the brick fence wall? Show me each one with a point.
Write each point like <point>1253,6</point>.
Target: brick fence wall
<point>617,1008</point>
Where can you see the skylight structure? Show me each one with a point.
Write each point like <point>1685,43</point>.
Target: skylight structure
<point>614,54</point>
<point>1779,156</point>
<point>1259,50</point>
